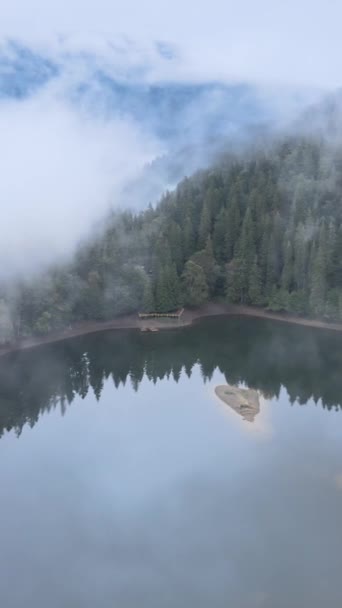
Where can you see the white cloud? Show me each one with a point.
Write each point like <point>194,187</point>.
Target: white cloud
<point>270,40</point>
<point>60,172</point>
<point>61,167</point>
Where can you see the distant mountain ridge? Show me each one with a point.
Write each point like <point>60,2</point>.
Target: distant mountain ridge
<point>22,72</point>
<point>169,110</point>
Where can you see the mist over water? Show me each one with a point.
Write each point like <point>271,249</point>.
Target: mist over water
<point>149,491</point>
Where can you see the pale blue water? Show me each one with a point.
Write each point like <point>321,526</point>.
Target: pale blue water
<point>163,497</point>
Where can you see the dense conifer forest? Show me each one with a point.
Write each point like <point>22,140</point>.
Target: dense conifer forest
<point>264,229</point>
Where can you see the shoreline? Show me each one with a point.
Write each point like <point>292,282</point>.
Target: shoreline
<point>189,317</point>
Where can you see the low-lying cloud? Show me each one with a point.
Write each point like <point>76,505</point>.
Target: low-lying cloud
<point>61,170</point>
<point>267,41</point>
<point>67,154</point>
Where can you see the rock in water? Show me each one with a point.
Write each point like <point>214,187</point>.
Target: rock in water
<point>244,401</point>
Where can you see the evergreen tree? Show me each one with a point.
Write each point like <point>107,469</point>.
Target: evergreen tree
<point>206,260</point>
<point>278,301</point>
<point>271,265</point>
<point>167,293</point>
<point>221,231</point>
<point>148,297</point>
<point>162,296</point>
<point>204,226</point>
<point>233,225</point>
<point>287,274</point>
<point>174,287</point>
<point>174,237</point>
<point>254,284</point>
<point>244,259</point>
<point>300,257</point>
<point>318,279</point>
<point>188,238</point>
<point>194,285</point>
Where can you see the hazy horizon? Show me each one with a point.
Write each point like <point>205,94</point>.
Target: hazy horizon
<point>92,93</point>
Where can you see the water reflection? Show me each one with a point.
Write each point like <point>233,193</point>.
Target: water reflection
<point>162,496</point>
<point>261,354</point>
<point>244,402</point>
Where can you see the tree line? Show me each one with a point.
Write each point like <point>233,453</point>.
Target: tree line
<point>259,353</point>
<point>264,230</point>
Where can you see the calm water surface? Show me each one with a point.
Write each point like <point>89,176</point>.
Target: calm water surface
<point>126,483</point>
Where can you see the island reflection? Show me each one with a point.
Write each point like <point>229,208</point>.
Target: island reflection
<point>261,354</point>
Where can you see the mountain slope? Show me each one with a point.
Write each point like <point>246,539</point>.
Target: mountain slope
<point>264,230</point>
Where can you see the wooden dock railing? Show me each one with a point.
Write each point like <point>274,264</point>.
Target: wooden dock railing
<point>161,315</point>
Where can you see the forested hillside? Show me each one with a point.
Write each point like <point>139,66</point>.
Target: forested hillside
<point>265,230</point>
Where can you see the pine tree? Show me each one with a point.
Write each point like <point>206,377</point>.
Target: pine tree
<point>174,237</point>
<point>206,260</point>
<point>188,238</point>
<point>254,284</point>
<point>271,268</point>
<point>287,274</point>
<point>194,285</point>
<point>234,283</point>
<point>263,252</point>
<point>318,279</point>
<point>220,236</point>
<point>204,226</point>
<point>167,294</point>
<point>300,257</point>
<point>244,258</point>
<point>173,285</point>
<point>278,300</point>
<point>162,299</point>
<point>233,226</point>
<point>333,259</point>
<point>148,298</point>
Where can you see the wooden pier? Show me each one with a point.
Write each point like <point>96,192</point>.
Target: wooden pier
<point>161,315</point>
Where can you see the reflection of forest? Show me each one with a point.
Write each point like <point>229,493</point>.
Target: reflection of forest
<point>263,354</point>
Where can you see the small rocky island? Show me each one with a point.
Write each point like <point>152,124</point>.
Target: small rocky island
<point>244,401</point>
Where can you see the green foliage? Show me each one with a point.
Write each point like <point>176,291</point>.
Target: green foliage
<point>204,226</point>
<point>194,284</point>
<point>265,231</point>
<point>220,236</point>
<point>318,277</point>
<point>206,260</point>
<point>255,284</point>
<point>244,258</point>
<point>167,293</point>
<point>148,297</point>
<point>297,302</point>
<point>287,276</point>
<point>278,301</point>
<point>43,324</point>
<point>6,325</point>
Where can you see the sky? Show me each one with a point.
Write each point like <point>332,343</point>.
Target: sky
<point>63,167</point>
<point>293,42</point>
